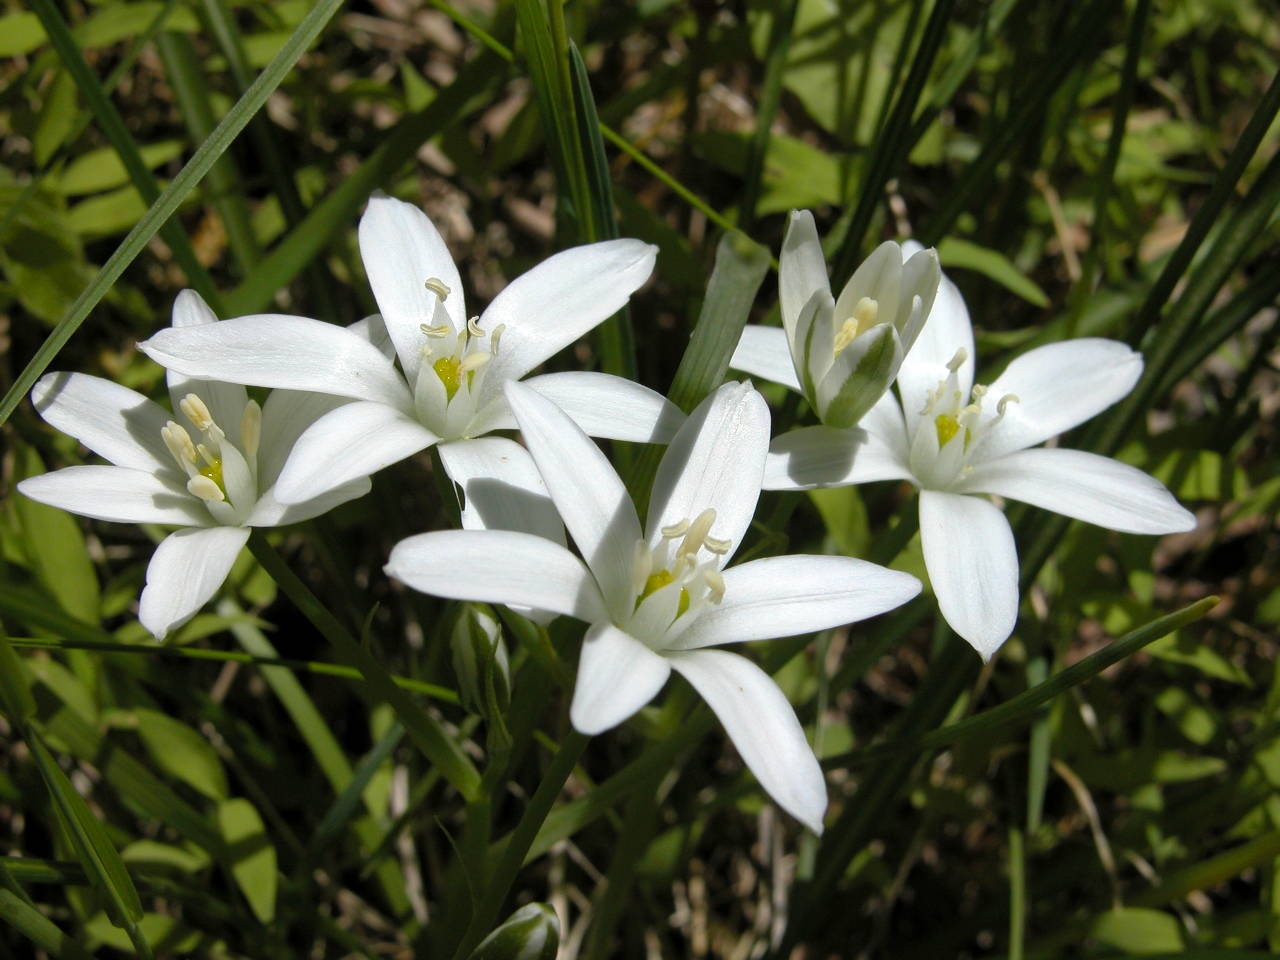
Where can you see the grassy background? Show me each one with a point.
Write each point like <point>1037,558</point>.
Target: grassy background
<point>1085,169</point>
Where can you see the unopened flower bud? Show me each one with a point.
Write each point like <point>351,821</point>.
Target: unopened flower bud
<point>531,933</point>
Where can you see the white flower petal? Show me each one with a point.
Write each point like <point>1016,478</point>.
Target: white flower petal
<point>502,487</point>
<point>611,407</point>
<point>592,501</point>
<point>373,329</point>
<point>1083,485</point>
<point>973,566</point>
<point>716,460</point>
<point>802,272</point>
<point>921,276</point>
<point>190,310</point>
<point>763,727</point>
<point>947,331</point>
<point>111,420</point>
<point>813,457</point>
<point>497,566</point>
<point>270,512</point>
<point>185,572</point>
<point>558,301</point>
<point>617,675</point>
<point>285,416</point>
<point>225,400</point>
<point>1058,386</point>
<point>118,494</point>
<point>274,350</point>
<point>859,377</point>
<point>795,595</point>
<point>355,440</point>
<point>878,277</point>
<point>402,250</point>
<point>764,352</point>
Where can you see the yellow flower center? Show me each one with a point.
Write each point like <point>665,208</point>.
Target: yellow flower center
<point>948,426</point>
<point>213,470</point>
<point>449,370</point>
<point>656,581</point>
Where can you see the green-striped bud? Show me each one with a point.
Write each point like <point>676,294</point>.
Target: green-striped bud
<point>531,933</point>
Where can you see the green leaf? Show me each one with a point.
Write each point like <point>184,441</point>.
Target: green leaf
<point>120,21</point>
<point>152,855</point>
<point>58,118</point>
<point>102,169</point>
<point>25,918</point>
<point>961,254</point>
<point>94,850</point>
<point>56,548</point>
<point>1138,931</point>
<point>15,688</point>
<point>253,858</point>
<point>162,932</point>
<point>182,752</point>
<point>845,516</point>
<point>20,33</point>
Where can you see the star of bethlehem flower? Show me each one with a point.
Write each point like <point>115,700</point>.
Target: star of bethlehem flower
<point>209,468</point>
<point>957,441</point>
<point>660,599</point>
<point>448,388</point>
<point>843,354</point>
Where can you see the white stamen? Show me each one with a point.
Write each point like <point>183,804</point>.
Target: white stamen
<point>251,428</point>
<point>438,331</point>
<point>697,533</point>
<point>473,361</point>
<point>495,336</point>
<point>675,530</point>
<point>715,583</point>
<point>956,361</point>
<point>195,410</point>
<point>716,546</point>
<point>473,327</point>
<point>436,286</point>
<point>1007,399</point>
<point>641,567</point>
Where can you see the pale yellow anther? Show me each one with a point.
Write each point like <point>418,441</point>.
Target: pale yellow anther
<point>473,361</point>
<point>436,286</point>
<point>717,546</point>
<point>438,331</point>
<point>204,488</point>
<point>697,533</point>
<point>715,584</point>
<point>675,530</point>
<point>1007,399</point>
<point>208,456</point>
<point>495,336</point>
<point>956,361</point>
<point>473,327</point>
<point>847,333</point>
<point>195,410</point>
<point>179,443</point>
<point>251,428</point>
<point>979,391</point>
<point>865,313</point>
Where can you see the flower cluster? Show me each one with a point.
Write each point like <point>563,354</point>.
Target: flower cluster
<point>657,596</point>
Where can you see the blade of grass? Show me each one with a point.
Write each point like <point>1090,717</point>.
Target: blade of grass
<point>38,928</point>
<point>113,128</point>
<point>225,185</point>
<point>427,734</point>
<point>770,95</point>
<point>177,191</point>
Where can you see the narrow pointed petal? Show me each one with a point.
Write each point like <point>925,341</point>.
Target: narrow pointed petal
<point>814,457</point>
<point>973,566</point>
<point>764,352</point>
<point>790,596</point>
<point>225,400</point>
<point>921,275</point>
<point>878,277</point>
<point>355,440</point>
<point>802,272</point>
<point>715,460</point>
<point>374,329</point>
<point>764,728</point>
<point>402,250</point>
<point>285,416</point>
<point>111,420</point>
<point>190,310</point>
<point>117,494</point>
<point>592,501</point>
<point>502,487</point>
<point>497,566</point>
<point>185,572</point>
<point>270,512</point>
<point>617,675</point>
<point>947,330</point>
<point>559,300</point>
<point>1058,386</point>
<point>611,407</point>
<point>859,376</point>
<point>1085,486</point>
<point>274,350</point>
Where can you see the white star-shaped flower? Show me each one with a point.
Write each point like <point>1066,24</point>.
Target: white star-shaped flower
<point>660,599</point>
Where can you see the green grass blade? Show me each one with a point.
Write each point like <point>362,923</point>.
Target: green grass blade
<point>225,186</point>
<point>770,95</point>
<point>38,928</point>
<point>344,805</point>
<point>177,191</point>
<point>94,849</point>
<point>425,731</point>
<point>470,89</point>
<point>113,128</point>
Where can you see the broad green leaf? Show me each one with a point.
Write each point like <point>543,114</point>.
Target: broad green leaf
<point>1174,766</point>
<point>94,849</point>
<point>56,548</point>
<point>1138,931</point>
<point>20,33</point>
<point>165,934</point>
<point>182,752</point>
<point>253,858</point>
<point>845,516</point>
<point>57,117</point>
<point>962,254</point>
<point>1183,647</point>
<point>153,855</point>
<point>66,685</point>
<point>15,687</point>
<point>120,21</point>
<point>1198,723</point>
<point>102,169</point>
